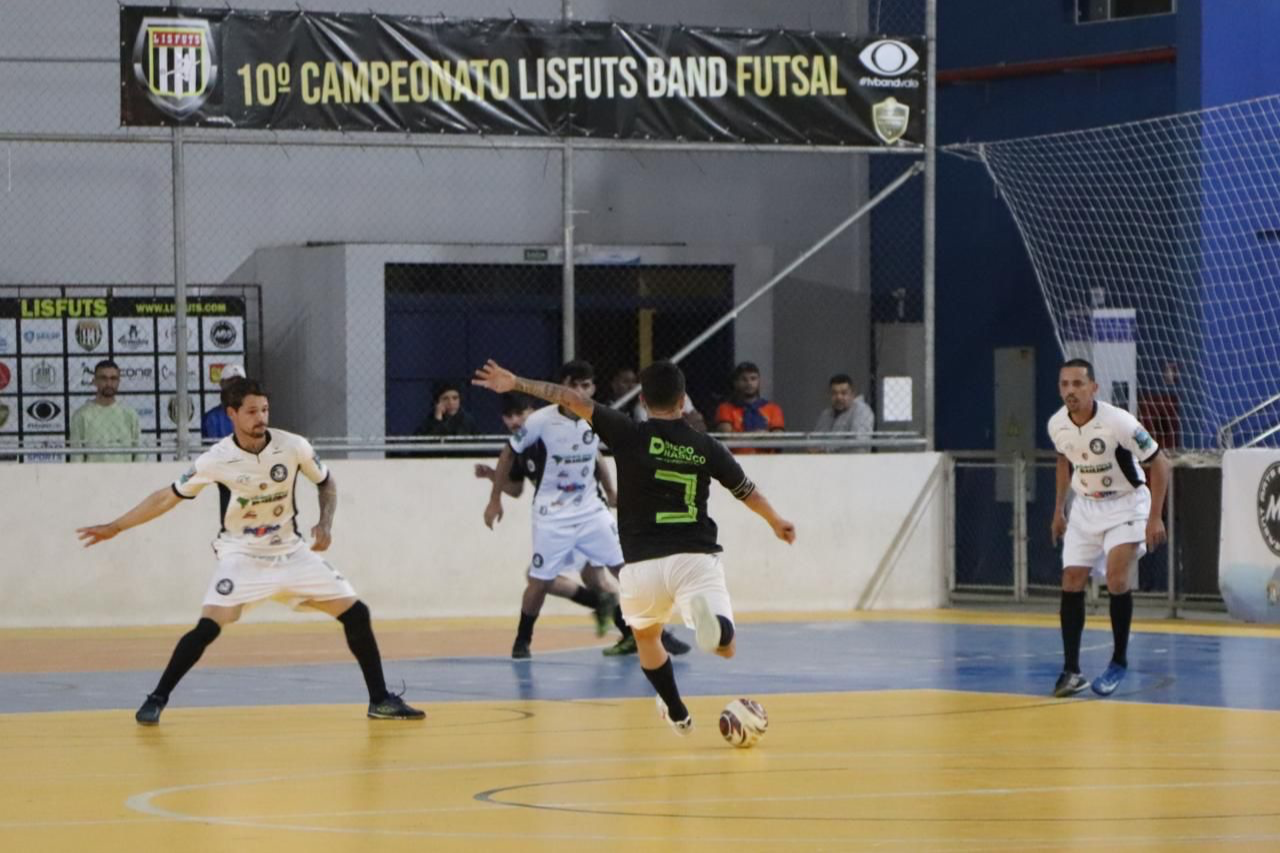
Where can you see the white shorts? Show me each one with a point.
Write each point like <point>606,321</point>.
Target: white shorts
<point>302,575</point>
<point>651,589</point>
<point>560,547</point>
<point>1096,526</point>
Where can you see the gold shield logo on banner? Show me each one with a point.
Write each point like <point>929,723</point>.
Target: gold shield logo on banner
<point>890,118</point>
<point>175,60</point>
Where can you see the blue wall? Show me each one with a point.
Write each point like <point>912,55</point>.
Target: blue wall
<point>987,296</point>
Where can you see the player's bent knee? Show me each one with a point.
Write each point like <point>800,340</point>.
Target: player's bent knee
<point>356,614</point>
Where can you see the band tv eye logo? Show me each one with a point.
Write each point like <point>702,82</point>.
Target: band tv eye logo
<point>176,61</point>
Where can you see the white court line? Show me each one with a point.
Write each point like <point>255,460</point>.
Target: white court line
<point>144,803</point>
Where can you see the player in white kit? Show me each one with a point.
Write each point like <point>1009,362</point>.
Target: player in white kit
<point>261,553</point>
<point>1115,518</point>
<point>570,520</point>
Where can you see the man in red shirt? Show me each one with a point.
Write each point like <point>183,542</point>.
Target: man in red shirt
<point>748,411</point>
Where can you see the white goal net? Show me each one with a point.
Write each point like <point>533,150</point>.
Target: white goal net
<point>1156,245</point>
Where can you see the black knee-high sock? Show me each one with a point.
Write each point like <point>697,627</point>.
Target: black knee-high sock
<point>586,596</point>
<point>1071,615</point>
<point>524,634</point>
<point>1121,617</point>
<point>359,630</point>
<point>185,655</point>
<point>620,623</point>
<point>663,680</point>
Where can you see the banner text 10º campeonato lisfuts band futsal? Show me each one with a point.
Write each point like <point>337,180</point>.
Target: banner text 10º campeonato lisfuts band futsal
<point>300,70</point>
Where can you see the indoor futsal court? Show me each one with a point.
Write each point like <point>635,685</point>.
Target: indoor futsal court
<point>895,731</point>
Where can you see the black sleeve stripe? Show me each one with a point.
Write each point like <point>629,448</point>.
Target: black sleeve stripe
<point>744,489</point>
<point>181,495</point>
<point>322,482</point>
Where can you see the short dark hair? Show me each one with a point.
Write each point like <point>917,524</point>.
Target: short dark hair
<point>1080,362</point>
<point>513,402</point>
<point>662,383</point>
<point>745,367</point>
<point>577,371</point>
<point>106,362</point>
<point>441,387</point>
<point>237,389</point>
<point>842,379</point>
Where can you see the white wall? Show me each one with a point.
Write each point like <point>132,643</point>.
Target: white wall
<point>410,537</point>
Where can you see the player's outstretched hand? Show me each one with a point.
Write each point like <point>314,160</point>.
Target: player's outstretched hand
<point>785,530</point>
<point>321,538</point>
<point>97,533</point>
<point>495,377</point>
<point>485,472</point>
<point>1155,534</point>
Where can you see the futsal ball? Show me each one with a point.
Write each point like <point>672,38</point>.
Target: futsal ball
<point>743,722</point>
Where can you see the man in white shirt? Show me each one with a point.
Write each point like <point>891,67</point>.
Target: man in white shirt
<point>261,553</point>
<point>1115,518</point>
<point>571,520</point>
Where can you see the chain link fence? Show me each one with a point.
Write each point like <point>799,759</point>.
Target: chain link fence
<point>390,266</point>
<point>1001,508</point>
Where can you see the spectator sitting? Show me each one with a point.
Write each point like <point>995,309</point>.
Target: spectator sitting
<point>848,412</point>
<point>215,424</point>
<point>622,381</point>
<point>746,410</point>
<point>448,417</point>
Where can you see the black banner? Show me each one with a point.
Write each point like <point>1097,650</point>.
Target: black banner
<point>302,70</point>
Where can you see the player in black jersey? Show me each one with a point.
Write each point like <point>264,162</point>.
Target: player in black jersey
<point>592,593</point>
<point>665,468</point>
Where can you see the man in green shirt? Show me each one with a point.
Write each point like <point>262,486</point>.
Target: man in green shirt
<point>104,422</point>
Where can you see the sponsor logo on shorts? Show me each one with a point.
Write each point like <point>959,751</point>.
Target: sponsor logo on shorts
<point>1269,507</point>
<point>1098,446</point>
<point>537,561</point>
<point>225,586</point>
<point>279,472</point>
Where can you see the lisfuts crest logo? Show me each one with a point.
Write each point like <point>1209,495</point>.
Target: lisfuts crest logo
<point>175,59</point>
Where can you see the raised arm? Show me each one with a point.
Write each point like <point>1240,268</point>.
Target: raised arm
<point>152,506</point>
<point>497,378</point>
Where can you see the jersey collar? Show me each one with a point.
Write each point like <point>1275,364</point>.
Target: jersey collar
<point>1093,414</point>
<point>236,442</point>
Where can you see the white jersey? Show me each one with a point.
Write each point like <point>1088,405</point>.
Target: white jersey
<point>258,507</point>
<point>567,491</point>
<point>1104,453</point>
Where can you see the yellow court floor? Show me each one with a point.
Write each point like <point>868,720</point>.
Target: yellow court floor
<point>891,770</point>
<point>898,732</point>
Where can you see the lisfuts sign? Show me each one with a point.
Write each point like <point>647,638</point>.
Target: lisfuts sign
<point>301,70</point>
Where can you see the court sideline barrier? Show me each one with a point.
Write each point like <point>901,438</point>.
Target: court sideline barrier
<point>409,535</point>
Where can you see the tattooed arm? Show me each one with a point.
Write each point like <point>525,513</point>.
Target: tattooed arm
<point>328,506</point>
<point>499,379</point>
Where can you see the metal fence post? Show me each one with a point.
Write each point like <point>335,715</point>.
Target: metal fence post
<point>949,520</point>
<point>1171,560</point>
<point>1019,527</point>
<point>181,397</point>
<point>930,183</point>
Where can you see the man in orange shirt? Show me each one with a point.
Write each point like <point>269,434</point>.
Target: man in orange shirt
<point>748,411</point>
